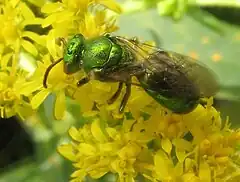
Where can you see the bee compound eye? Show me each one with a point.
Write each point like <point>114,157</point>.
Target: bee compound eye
<point>69,51</point>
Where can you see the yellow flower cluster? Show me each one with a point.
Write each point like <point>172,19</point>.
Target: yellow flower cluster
<point>147,140</point>
<point>196,147</point>
<point>11,102</point>
<point>18,35</point>
<point>15,16</point>
<point>67,18</point>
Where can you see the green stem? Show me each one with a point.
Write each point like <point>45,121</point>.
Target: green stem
<point>137,5</point>
<point>218,3</point>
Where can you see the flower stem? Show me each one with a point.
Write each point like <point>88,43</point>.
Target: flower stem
<point>218,3</point>
<point>136,5</point>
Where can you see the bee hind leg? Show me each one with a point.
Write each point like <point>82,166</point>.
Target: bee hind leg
<point>125,98</point>
<point>116,94</point>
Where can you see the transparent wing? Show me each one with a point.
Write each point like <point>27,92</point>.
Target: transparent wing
<point>202,77</point>
<point>181,74</point>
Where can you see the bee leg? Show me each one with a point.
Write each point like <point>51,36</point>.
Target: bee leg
<point>125,98</point>
<point>116,94</point>
<point>94,107</point>
<point>83,81</point>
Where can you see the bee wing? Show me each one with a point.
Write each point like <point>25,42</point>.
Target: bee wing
<point>184,71</point>
<point>202,77</point>
<point>164,77</point>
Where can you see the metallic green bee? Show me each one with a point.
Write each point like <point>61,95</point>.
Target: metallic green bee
<point>175,81</point>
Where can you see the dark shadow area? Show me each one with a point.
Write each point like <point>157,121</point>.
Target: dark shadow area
<point>227,14</point>
<point>15,143</point>
<point>228,108</point>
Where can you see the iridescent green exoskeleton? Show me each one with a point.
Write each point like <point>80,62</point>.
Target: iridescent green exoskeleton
<point>175,81</point>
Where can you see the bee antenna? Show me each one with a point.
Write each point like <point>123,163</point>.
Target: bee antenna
<point>48,71</point>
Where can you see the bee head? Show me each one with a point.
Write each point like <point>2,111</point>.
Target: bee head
<point>73,54</point>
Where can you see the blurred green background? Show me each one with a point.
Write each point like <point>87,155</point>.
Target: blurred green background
<point>208,33</point>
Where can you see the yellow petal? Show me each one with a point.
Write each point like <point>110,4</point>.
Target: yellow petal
<point>51,7</point>
<point>74,133</point>
<point>64,16</point>
<point>182,144</point>
<point>67,151</point>
<point>181,155</point>
<point>60,105</point>
<point>51,43</point>
<point>97,131</point>
<point>81,96</point>
<point>178,170</point>
<point>7,112</point>
<point>29,47</point>
<point>190,177</point>
<point>222,160</point>
<point>129,151</point>
<point>205,172</point>
<point>166,145</point>
<point>112,132</point>
<point>98,173</point>
<point>77,180</point>
<point>14,3</point>
<point>117,165</point>
<point>35,37</point>
<point>189,163</point>
<point>87,149</point>
<point>5,60</point>
<point>30,87</point>
<point>26,11</point>
<point>3,77</point>
<point>90,114</point>
<point>49,20</point>
<point>80,174</point>
<point>163,165</point>
<point>112,5</point>
<point>108,147</point>
<point>38,99</point>
<point>34,21</point>
<point>24,111</point>
<point>28,64</point>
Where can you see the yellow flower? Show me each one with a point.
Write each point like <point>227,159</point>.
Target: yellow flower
<point>156,147</point>
<point>71,17</point>
<point>95,25</point>
<point>164,169</point>
<point>67,17</point>
<point>97,151</point>
<point>57,83</point>
<point>76,19</point>
<point>63,85</point>
<point>11,79</point>
<point>15,17</point>
<point>147,139</point>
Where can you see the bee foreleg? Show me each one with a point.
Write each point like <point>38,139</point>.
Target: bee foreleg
<point>125,98</point>
<point>116,94</point>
